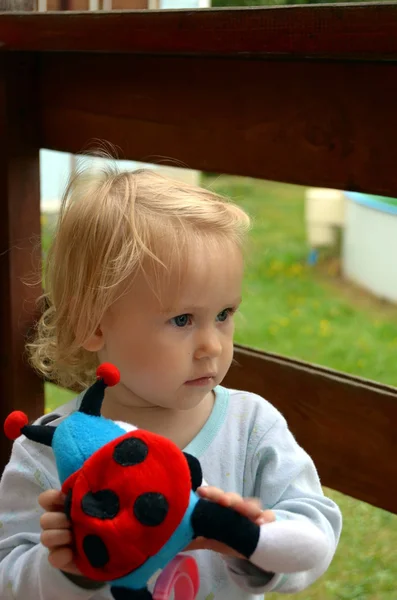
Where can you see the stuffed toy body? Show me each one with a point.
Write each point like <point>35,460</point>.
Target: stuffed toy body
<point>130,497</point>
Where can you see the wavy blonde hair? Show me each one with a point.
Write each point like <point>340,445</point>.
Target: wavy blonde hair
<point>113,226</point>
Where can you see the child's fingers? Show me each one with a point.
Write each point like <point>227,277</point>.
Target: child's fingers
<point>52,500</point>
<point>254,502</point>
<point>210,492</point>
<point>249,507</point>
<point>54,538</point>
<point>230,499</point>
<point>267,516</point>
<point>56,534</point>
<point>62,558</point>
<point>219,496</point>
<point>54,520</point>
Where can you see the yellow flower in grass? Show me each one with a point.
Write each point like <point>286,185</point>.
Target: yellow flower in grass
<point>362,344</point>
<point>325,328</point>
<point>276,266</point>
<point>273,329</point>
<point>283,321</point>
<point>295,270</point>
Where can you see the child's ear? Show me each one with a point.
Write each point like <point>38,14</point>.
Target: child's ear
<point>95,342</point>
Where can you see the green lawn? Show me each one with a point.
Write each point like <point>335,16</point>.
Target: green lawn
<point>299,311</point>
<point>386,200</point>
<point>310,314</point>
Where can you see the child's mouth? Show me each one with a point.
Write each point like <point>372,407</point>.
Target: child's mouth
<point>201,381</point>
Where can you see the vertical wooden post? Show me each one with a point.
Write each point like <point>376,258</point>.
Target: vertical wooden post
<point>20,388</point>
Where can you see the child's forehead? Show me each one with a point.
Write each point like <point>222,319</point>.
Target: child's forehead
<point>206,276</point>
<point>209,277</point>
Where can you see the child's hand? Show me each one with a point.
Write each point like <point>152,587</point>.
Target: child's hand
<point>56,534</point>
<point>249,507</point>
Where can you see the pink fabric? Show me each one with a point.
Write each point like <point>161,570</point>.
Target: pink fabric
<point>180,575</point>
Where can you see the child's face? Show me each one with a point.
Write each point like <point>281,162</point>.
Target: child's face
<point>172,353</point>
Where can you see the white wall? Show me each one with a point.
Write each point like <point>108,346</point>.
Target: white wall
<point>55,169</point>
<point>166,4</point>
<point>370,249</point>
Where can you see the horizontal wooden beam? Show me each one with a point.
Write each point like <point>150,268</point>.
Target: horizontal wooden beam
<point>350,31</point>
<point>346,424</point>
<point>324,124</point>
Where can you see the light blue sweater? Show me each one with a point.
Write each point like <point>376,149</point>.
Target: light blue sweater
<point>245,447</point>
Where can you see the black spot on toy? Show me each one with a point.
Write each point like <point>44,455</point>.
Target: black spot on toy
<point>130,452</point>
<point>96,551</point>
<point>102,505</point>
<point>151,509</point>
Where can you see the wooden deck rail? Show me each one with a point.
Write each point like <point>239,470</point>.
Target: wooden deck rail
<point>303,95</point>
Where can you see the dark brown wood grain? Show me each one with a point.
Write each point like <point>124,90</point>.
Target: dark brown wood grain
<point>19,233</point>
<point>353,31</point>
<point>324,124</point>
<point>346,424</point>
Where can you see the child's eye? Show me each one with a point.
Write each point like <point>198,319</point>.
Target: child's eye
<point>181,320</point>
<point>224,314</point>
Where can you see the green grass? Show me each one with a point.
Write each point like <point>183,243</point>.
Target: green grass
<point>310,314</point>
<point>56,396</point>
<point>386,200</point>
<point>296,310</point>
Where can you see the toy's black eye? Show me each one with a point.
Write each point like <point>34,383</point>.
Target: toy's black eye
<point>102,505</point>
<point>151,508</point>
<point>130,452</point>
<point>96,551</point>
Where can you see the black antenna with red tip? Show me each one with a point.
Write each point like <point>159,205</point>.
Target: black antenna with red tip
<point>107,375</point>
<point>16,423</point>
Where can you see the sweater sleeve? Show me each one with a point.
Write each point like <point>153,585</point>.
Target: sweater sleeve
<point>24,568</point>
<point>285,479</point>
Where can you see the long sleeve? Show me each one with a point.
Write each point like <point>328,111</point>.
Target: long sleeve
<point>24,568</point>
<point>286,480</point>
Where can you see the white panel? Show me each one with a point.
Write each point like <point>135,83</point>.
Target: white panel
<point>370,249</point>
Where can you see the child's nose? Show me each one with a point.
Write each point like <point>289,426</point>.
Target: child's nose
<point>208,345</point>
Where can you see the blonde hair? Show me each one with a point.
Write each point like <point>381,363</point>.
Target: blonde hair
<point>113,226</point>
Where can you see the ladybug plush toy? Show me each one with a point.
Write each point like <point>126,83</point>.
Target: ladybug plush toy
<point>130,497</point>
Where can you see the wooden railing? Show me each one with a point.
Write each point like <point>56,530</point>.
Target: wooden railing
<point>304,95</point>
